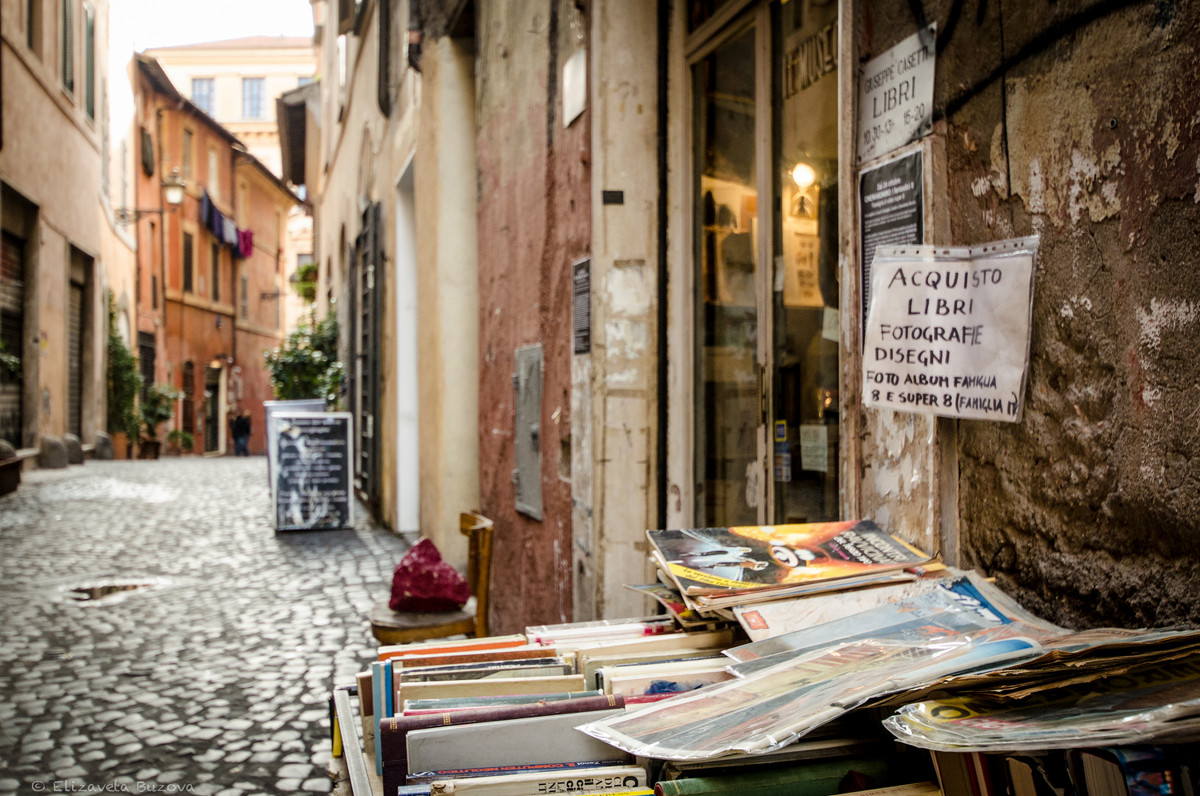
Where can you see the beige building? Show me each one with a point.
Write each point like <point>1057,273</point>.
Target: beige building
<point>237,82</point>
<point>53,278</point>
<point>399,273</point>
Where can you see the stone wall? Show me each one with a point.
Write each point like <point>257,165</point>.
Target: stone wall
<point>1080,122</point>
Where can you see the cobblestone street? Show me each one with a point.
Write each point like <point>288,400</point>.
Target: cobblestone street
<point>213,680</point>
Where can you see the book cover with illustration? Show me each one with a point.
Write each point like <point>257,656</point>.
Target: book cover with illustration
<point>708,561</point>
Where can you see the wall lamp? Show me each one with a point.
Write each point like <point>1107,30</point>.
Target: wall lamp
<point>172,195</point>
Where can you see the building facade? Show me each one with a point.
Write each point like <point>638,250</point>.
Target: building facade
<point>388,156</point>
<point>52,280</point>
<point>673,254</point>
<point>237,83</point>
<point>211,269</point>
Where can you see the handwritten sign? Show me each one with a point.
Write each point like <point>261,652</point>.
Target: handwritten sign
<point>895,96</point>
<point>311,456</point>
<point>948,330</point>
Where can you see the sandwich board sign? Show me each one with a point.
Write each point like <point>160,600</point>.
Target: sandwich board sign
<point>310,455</point>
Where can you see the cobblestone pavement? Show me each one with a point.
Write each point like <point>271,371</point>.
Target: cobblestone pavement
<point>213,681</point>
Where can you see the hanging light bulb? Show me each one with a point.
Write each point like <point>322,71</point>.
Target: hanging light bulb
<point>803,175</point>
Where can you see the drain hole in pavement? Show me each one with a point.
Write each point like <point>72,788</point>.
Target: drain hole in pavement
<point>90,593</point>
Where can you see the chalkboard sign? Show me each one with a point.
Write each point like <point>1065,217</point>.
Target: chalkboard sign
<point>272,408</point>
<point>310,455</point>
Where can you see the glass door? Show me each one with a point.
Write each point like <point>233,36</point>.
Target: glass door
<point>728,394</point>
<point>804,290</point>
<point>764,138</point>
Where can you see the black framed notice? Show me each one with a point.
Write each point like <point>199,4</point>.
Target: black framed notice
<point>891,209</point>
<point>581,305</point>
<point>310,455</point>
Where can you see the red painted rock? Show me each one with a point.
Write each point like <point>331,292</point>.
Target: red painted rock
<point>424,582</point>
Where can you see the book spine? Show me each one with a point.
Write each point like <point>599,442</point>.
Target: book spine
<point>443,704</point>
<point>602,780</point>
<point>395,730</point>
<point>377,699</point>
<point>425,777</point>
<point>819,779</point>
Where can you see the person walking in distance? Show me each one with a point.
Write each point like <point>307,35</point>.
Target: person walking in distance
<point>241,434</point>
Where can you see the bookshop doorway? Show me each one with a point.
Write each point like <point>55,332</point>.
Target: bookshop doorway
<point>765,251</point>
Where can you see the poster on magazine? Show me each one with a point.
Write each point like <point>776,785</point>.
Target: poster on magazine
<point>310,462</point>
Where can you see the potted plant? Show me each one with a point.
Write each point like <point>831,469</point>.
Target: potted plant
<point>179,441</point>
<point>124,384</point>
<point>157,408</point>
<point>306,365</point>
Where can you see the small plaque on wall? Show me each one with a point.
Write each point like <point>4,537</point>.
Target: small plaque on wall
<point>581,304</point>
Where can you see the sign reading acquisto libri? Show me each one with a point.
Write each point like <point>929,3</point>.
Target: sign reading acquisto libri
<point>948,329</point>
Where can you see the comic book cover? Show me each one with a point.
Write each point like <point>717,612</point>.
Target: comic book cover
<point>748,559</point>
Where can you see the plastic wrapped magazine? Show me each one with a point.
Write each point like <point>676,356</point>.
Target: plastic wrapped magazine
<point>797,691</point>
<point>1153,704</point>
<point>960,604</point>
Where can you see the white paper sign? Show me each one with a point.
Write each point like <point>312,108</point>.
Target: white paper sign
<point>948,330</point>
<point>895,96</point>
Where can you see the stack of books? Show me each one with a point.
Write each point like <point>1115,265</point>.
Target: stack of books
<point>850,663</point>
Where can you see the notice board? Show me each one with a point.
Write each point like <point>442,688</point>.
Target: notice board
<point>310,456</point>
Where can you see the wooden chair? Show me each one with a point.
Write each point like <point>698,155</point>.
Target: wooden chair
<point>401,627</point>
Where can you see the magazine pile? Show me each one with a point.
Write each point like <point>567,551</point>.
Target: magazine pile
<point>724,567</point>
<point>808,672</point>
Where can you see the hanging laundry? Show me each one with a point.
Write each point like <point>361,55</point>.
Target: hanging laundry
<point>216,223</point>
<point>245,245</point>
<point>229,233</point>
<point>206,208</point>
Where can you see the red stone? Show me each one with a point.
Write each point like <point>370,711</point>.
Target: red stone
<point>424,582</point>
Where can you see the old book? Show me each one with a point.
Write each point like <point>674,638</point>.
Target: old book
<point>499,686</point>
<point>441,646</point>
<point>667,677</point>
<point>813,779</point>
<point>540,739</point>
<point>589,663</point>
<point>597,780</point>
<point>467,656</point>
<point>416,707</point>
<point>394,731</point>
<point>1126,771</point>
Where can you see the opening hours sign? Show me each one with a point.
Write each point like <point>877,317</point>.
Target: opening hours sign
<point>948,329</point>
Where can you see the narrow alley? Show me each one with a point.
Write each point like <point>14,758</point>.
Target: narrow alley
<point>211,678</point>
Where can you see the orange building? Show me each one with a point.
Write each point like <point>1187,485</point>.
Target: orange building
<point>210,269</point>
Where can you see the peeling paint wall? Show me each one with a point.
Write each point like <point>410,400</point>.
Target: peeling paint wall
<point>534,222</point>
<point>1080,122</point>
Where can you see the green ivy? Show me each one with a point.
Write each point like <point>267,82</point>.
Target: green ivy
<point>124,382</point>
<point>158,406</point>
<point>306,365</point>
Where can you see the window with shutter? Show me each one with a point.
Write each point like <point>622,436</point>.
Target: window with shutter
<point>68,44</point>
<point>89,61</point>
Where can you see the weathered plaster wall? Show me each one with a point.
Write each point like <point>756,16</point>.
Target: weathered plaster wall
<point>533,223</point>
<point>614,398</point>
<point>1079,121</point>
